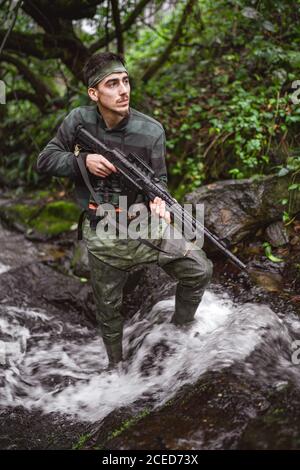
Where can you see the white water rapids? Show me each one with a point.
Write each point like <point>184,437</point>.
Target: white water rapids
<point>56,367</point>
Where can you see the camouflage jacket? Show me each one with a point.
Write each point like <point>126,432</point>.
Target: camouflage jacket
<point>136,133</point>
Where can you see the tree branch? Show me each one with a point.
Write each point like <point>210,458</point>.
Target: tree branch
<point>118,27</point>
<point>49,46</point>
<point>32,44</point>
<point>27,95</point>
<point>2,3</point>
<point>37,84</point>
<point>48,22</point>
<point>102,42</point>
<point>166,53</point>
<point>106,26</point>
<point>42,10</point>
<point>11,26</point>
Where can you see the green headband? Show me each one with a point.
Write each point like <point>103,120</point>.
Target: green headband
<point>113,67</point>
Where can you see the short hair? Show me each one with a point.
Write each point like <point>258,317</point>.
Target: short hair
<point>98,61</point>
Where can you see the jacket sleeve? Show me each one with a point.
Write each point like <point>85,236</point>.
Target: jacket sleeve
<point>158,159</point>
<point>57,158</point>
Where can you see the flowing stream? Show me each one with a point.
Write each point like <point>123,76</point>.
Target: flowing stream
<point>52,365</point>
<point>57,367</point>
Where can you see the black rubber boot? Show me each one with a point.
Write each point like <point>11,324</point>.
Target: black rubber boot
<point>187,300</point>
<point>114,353</point>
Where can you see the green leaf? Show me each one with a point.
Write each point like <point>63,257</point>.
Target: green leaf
<point>269,255</point>
<point>283,172</point>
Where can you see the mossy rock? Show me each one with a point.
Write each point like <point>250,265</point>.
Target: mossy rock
<point>51,219</point>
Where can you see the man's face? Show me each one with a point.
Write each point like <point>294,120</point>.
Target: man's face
<point>113,93</point>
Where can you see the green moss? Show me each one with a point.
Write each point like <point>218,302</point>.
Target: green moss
<point>54,218</point>
<point>42,194</point>
<point>277,415</point>
<point>63,209</point>
<point>23,212</point>
<point>51,226</point>
<point>81,441</point>
<point>128,423</point>
<point>169,402</point>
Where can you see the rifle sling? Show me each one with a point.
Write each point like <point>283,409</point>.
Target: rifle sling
<point>86,178</point>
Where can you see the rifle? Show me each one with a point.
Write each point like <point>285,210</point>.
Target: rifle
<point>142,177</point>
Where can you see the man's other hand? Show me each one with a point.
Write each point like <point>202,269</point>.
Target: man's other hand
<point>158,206</point>
<point>99,165</point>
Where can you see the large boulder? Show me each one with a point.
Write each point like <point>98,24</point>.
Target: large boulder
<point>237,208</point>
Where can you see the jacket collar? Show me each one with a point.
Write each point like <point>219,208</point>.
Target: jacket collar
<point>119,127</point>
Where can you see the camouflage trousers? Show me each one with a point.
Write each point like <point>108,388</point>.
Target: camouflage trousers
<point>111,260</point>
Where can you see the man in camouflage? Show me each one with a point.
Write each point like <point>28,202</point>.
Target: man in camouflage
<point>117,125</point>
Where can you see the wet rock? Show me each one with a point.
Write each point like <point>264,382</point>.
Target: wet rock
<point>40,219</point>
<point>38,285</point>
<point>23,429</point>
<point>221,411</point>
<point>235,209</point>
<point>225,409</point>
<point>276,234</point>
<point>277,428</point>
<point>15,250</point>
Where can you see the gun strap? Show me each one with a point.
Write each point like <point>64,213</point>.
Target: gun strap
<point>86,179</point>
<point>79,225</point>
